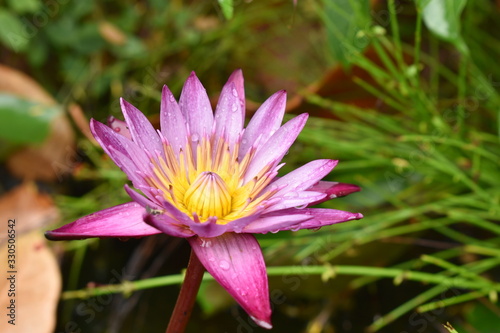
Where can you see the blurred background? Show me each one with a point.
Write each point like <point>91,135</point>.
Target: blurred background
<point>404,93</point>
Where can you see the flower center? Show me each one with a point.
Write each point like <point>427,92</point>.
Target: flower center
<point>208,196</point>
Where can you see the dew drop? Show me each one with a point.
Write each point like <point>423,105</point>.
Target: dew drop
<point>301,206</point>
<point>171,98</point>
<point>211,259</point>
<point>235,92</point>
<point>195,137</point>
<point>205,243</point>
<point>332,196</point>
<point>224,265</point>
<point>234,107</point>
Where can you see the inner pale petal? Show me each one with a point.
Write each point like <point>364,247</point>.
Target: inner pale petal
<point>208,196</point>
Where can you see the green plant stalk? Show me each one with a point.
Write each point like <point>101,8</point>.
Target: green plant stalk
<point>395,34</point>
<point>452,300</point>
<point>454,268</point>
<point>398,274</point>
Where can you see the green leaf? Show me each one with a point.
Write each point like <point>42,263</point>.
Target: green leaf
<point>23,121</point>
<point>12,33</point>
<point>227,8</point>
<point>24,6</point>
<point>442,18</point>
<point>345,21</point>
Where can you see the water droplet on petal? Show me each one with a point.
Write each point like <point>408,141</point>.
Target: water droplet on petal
<point>195,137</point>
<point>301,206</point>
<point>224,265</point>
<point>295,228</point>
<point>234,107</point>
<point>235,92</point>
<point>172,99</point>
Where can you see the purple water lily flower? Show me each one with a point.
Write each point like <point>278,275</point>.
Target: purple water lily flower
<point>205,178</point>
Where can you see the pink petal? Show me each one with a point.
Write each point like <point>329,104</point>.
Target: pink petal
<point>229,114</point>
<point>125,220</point>
<point>274,222</point>
<point>119,126</point>
<point>195,106</point>
<point>320,217</point>
<point>295,199</point>
<point>236,262</point>
<point>304,177</point>
<point>125,153</point>
<point>333,190</point>
<point>264,122</point>
<point>173,123</point>
<point>167,225</point>
<point>237,78</point>
<point>143,133</point>
<point>276,147</point>
<point>140,199</point>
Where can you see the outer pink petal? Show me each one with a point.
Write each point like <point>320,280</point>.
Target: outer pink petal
<point>140,128</point>
<point>333,190</point>
<point>304,177</point>
<point>265,122</point>
<point>276,147</point>
<point>140,199</point>
<point>229,114</point>
<point>320,217</point>
<point>173,123</point>
<point>236,262</point>
<point>125,220</point>
<point>237,78</point>
<point>195,106</point>
<point>167,225</point>
<point>125,153</point>
<point>119,126</point>
<point>295,199</point>
<point>274,222</point>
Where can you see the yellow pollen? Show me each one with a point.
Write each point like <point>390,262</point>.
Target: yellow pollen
<point>206,180</point>
<point>208,196</point>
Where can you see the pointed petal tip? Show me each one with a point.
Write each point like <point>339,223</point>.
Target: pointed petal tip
<point>263,323</point>
<point>192,77</point>
<point>357,216</point>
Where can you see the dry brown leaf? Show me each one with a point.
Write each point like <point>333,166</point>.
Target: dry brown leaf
<point>36,285</point>
<point>112,33</point>
<point>54,157</point>
<point>30,208</point>
<point>81,121</point>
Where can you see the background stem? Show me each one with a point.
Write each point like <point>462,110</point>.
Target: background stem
<point>187,296</point>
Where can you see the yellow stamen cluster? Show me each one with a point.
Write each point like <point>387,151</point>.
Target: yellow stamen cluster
<point>210,182</point>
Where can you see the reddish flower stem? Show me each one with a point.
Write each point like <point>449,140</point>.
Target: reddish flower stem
<point>187,296</point>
